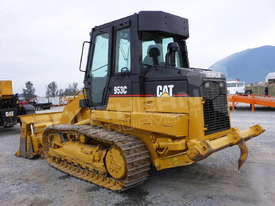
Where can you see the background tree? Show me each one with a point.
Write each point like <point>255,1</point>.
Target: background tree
<point>60,92</point>
<point>71,90</point>
<point>52,90</point>
<point>29,91</point>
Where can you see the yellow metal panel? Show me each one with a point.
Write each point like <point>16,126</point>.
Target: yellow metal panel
<point>150,104</point>
<point>6,88</point>
<point>83,116</point>
<point>120,118</point>
<point>71,110</point>
<point>166,104</point>
<point>41,118</point>
<point>138,104</point>
<point>170,124</point>
<point>123,104</point>
<point>196,121</point>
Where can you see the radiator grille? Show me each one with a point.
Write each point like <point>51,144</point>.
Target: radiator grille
<point>216,116</point>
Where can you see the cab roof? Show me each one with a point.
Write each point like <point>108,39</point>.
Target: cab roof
<point>154,21</point>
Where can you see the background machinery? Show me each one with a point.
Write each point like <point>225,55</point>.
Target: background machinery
<point>142,106</point>
<point>266,88</point>
<point>9,106</point>
<point>235,87</point>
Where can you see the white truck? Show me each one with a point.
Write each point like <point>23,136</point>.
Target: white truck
<point>235,87</point>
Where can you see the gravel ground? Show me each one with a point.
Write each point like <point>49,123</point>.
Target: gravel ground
<point>214,181</point>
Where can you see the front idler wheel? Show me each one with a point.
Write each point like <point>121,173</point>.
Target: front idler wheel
<point>115,163</point>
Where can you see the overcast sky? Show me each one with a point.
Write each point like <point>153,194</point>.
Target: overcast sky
<point>41,41</point>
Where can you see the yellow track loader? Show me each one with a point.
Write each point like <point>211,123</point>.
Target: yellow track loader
<point>9,105</point>
<point>142,106</point>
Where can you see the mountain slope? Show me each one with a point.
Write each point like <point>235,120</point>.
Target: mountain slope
<point>251,65</point>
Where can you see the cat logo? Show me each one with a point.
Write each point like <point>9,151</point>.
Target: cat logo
<point>165,90</point>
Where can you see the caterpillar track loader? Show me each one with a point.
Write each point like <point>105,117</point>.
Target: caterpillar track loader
<point>142,106</point>
<point>9,106</point>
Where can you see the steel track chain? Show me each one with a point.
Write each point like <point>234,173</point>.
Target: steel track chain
<point>134,150</point>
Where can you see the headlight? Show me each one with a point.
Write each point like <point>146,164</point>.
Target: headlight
<point>206,84</point>
<point>221,84</point>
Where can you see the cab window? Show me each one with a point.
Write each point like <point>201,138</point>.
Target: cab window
<point>123,50</point>
<point>160,41</point>
<point>99,67</point>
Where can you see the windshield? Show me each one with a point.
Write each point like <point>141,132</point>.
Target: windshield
<point>160,41</point>
<point>241,84</point>
<point>231,84</point>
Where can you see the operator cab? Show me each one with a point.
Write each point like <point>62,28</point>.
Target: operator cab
<point>127,57</point>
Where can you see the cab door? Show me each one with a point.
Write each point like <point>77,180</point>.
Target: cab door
<point>99,66</point>
<point>120,83</point>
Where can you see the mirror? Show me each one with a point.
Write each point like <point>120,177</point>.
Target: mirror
<point>85,49</point>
